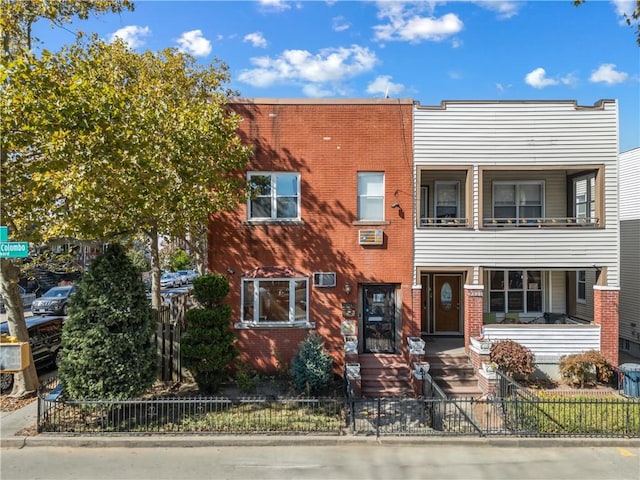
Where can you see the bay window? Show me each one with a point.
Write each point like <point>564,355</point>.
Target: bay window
<point>275,300</point>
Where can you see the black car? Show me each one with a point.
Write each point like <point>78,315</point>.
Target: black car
<point>55,301</point>
<point>45,338</point>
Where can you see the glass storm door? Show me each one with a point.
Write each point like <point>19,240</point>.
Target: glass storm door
<point>379,318</point>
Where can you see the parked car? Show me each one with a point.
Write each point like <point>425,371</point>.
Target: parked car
<point>170,279</point>
<point>55,301</point>
<point>27,299</point>
<point>187,276</point>
<point>45,337</point>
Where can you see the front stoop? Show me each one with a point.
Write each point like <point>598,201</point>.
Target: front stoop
<point>385,375</point>
<point>454,374</point>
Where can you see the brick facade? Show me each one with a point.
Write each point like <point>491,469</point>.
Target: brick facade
<point>327,142</point>
<point>473,308</point>
<point>605,314</point>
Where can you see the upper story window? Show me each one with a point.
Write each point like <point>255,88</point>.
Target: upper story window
<point>277,301</point>
<point>370,196</point>
<point>584,194</point>
<point>447,200</point>
<point>276,196</point>
<point>518,200</point>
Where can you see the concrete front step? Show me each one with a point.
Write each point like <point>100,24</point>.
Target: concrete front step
<point>454,374</point>
<point>385,376</point>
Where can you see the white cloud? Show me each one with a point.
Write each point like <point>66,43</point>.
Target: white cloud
<point>276,5</point>
<point>132,35</point>
<point>405,22</point>
<point>606,73</point>
<point>317,91</point>
<point>256,39</point>
<point>624,7</point>
<point>538,79</point>
<point>340,24</point>
<point>195,43</point>
<point>329,65</point>
<point>504,9</point>
<point>383,85</point>
<point>569,80</point>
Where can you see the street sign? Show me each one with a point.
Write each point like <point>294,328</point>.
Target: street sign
<point>14,249</point>
<point>4,234</point>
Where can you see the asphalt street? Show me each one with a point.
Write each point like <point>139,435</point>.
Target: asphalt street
<point>302,462</point>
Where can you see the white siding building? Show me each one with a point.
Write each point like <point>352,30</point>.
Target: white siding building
<point>516,212</point>
<point>630,251</point>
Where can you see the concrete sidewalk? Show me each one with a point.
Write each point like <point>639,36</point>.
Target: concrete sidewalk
<point>25,418</point>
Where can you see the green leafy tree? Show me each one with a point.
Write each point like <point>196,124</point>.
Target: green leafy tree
<point>312,366</point>
<point>108,141</point>
<point>180,260</point>
<point>107,350</point>
<point>208,347</point>
<point>16,20</point>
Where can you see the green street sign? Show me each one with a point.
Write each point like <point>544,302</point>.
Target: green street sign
<point>4,234</point>
<point>14,249</point>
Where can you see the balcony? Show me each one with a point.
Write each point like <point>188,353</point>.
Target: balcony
<point>541,222</point>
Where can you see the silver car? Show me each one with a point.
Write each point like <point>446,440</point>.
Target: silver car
<point>27,299</point>
<point>54,302</point>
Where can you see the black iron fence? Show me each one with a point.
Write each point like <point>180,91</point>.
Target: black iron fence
<point>188,415</point>
<point>514,412</point>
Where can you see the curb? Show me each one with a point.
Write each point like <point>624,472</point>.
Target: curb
<point>195,440</point>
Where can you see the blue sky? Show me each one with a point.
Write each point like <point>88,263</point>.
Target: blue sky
<point>427,51</point>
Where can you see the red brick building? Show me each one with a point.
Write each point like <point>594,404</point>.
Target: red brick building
<point>328,235</point>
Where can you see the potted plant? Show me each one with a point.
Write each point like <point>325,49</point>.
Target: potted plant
<point>416,345</point>
<point>350,344</point>
<point>353,371</point>
<point>420,369</point>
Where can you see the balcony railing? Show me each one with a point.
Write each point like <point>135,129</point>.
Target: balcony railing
<point>443,222</point>
<point>539,222</point>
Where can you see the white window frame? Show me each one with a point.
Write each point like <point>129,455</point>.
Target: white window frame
<point>255,302</point>
<point>517,203</point>
<point>583,282</point>
<point>274,196</point>
<point>363,197</point>
<point>524,289</point>
<point>589,200</point>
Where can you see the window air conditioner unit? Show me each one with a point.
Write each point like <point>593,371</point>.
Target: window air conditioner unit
<point>324,279</point>
<point>371,237</point>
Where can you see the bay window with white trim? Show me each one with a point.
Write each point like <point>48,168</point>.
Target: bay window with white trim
<point>275,301</point>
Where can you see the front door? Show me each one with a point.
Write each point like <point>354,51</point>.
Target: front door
<point>379,318</point>
<point>446,303</point>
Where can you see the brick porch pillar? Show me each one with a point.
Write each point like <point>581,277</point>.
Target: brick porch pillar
<point>605,314</point>
<point>473,305</point>
<point>416,308</point>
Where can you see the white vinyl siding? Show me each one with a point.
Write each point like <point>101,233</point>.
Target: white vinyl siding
<point>521,141</point>
<point>630,245</point>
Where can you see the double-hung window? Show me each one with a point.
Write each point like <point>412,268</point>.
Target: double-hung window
<point>584,190</point>
<point>275,196</point>
<point>370,196</point>
<point>275,301</point>
<point>447,200</point>
<point>518,200</point>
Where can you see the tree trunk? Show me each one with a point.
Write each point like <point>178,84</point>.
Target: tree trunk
<point>156,299</point>
<point>27,381</point>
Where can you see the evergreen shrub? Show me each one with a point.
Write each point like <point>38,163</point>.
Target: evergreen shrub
<point>107,349</point>
<point>312,366</point>
<point>208,346</point>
